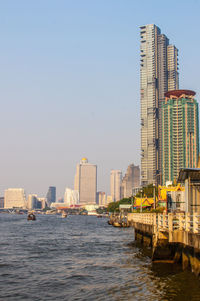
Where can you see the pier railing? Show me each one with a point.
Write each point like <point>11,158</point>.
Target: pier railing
<point>168,222</point>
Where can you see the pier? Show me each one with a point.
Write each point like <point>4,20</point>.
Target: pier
<point>173,236</point>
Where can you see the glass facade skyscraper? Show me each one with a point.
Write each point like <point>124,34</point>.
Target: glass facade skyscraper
<point>158,74</point>
<point>51,195</point>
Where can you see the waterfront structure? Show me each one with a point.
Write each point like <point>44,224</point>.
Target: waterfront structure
<point>14,198</point>
<point>180,137</point>
<point>172,198</point>
<point>1,202</point>
<point>191,179</point>
<point>51,195</point>
<point>158,74</point>
<point>170,236</point>
<point>115,184</point>
<point>101,198</point>
<point>130,181</point>
<point>86,182</point>
<point>71,197</point>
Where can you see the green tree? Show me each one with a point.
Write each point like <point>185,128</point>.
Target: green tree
<point>114,206</point>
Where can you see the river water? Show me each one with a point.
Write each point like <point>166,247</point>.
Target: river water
<point>82,258</point>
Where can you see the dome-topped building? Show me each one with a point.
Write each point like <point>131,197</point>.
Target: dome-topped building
<point>84,160</point>
<point>86,181</point>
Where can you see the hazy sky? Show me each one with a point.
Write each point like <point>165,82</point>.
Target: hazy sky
<point>69,78</point>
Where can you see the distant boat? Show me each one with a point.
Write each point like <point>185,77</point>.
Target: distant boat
<point>64,215</point>
<point>31,217</point>
<point>92,213</point>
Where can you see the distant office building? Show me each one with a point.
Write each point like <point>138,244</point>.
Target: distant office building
<point>14,198</point>
<point>43,202</point>
<point>33,202</point>
<point>1,202</point>
<point>130,181</point>
<point>158,74</point>
<point>115,184</point>
<point>71,197</point>
<point>51,195</point>
<point>86,182</point>
<point>180,138</point>
<point>101,198</point>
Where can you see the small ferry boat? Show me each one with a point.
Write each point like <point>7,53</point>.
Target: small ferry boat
<point>31,217</point>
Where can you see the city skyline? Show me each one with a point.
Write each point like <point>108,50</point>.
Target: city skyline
<point>68,73</point>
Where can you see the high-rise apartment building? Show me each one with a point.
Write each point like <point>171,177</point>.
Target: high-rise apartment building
<point>180,137</point>
<point>51,195</point>
<point>14,198</point>
<point>115,184</point>
<point>86,182</point>
<point>33,202</point>
<point>158,74</point>
<point>130,181</point>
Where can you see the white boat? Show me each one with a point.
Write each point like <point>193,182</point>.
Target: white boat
<point>92,213</point>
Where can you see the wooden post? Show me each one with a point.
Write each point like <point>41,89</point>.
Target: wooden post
<point>164,220</point>
<point>187,222</point>
<point>159,221</point>
<point>154,223</point>
<point>170,221</point>
<point>180,221</point>
<point>195,223</point>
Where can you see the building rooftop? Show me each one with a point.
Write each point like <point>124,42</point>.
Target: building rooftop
<point>192,173</point>
<point>178,93</point>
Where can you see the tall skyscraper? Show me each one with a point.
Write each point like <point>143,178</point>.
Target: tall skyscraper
<point>158,74</point>
<point>180,136</point>
<point>130,181</point>
<point>86,182</point>
<point>14,198</point>
<point>51,195</point>
<point>115,184</point>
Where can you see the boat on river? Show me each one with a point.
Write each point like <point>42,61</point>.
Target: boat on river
<point>64,215</point>
<point>31,217</point>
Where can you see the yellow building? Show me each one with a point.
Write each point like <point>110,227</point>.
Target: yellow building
<point>146,202</point>
<point>174,193</point>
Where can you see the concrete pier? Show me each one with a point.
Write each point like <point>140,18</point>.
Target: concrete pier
<point>174,237</point>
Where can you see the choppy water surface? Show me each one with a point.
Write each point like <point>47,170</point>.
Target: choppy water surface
<point>82,258</point>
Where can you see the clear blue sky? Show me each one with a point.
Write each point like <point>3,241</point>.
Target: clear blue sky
<point>69,80</point>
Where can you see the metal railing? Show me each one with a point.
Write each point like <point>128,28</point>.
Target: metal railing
<point>168,222</point>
